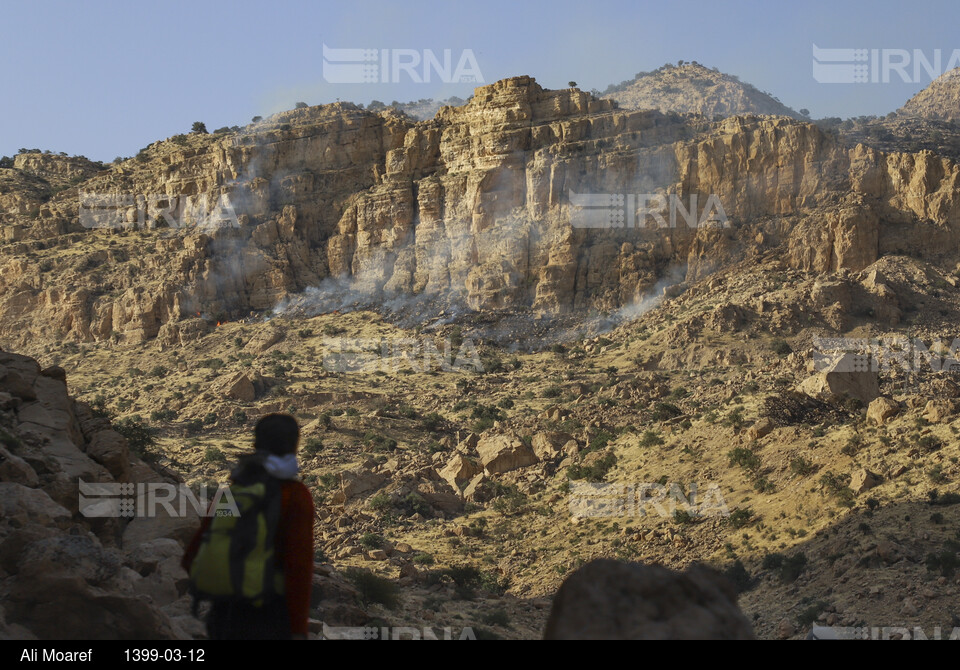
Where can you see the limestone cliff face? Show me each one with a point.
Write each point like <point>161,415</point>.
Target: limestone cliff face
<point>473,204</point>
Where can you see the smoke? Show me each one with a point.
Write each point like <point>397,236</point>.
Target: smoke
<point>674,277</point>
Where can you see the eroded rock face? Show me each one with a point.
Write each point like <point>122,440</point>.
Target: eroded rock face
<point>66,574</point>
<point>473,205</point>
<point>611,600</point>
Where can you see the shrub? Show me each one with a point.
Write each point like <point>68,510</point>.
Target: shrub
<point>312,446</point>
<point>199,128</point>
<point>371,541</point>
<point>650,438</point>
<point>780,347</point>
<point>432,421</point>
<point>737,573</point>
<point>596,471</point>
<point>379,503</point>
<point>507,498</point>
<point>740,517</point>
<point>789,568</point>
<point>163,415</point>
<point>497,617</point>
<point>744,457</point>
<point>374,589</point>
<point>139,435</point>
<point>213,455</point>
<point>801,466</point>
<point>944,562</point>
<point>415,504</point>
<point>663,411</point>
<point>212,363</point>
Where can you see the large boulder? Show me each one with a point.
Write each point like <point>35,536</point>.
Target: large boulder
<point>862,480</point>
<point>358,481</point>
<point>848,376</point>
<point>939,411</point>
<point>440,496</point>
<point>110,449</point>
<point>503,453</point>
<point>238,387</point>
<point>549,445</point>
<point>65,607</point>
<point>459,469</point>
<point>29,505</point>
<point>881,410</point>
<point>612,600</point>
<point>15,469</point>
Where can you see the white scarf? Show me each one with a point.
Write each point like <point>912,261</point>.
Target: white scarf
<point>282,467</point>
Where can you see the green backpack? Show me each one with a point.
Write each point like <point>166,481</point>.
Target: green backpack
<point>236,560</point>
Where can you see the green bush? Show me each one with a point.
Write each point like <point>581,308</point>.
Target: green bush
<point>139,435</point>
<point>650,438</point>
<point>380,503</point>
<point>312,446</point>
<point>374,589</point>
<point>213,455</point>
<point>744,457</point>
<point>740,517</point>
<point>371,541</point>
<point>596,471</point>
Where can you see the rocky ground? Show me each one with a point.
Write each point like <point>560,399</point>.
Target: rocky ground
<point>460,487</point>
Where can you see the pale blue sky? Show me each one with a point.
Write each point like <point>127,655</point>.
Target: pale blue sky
<point>105,78</point>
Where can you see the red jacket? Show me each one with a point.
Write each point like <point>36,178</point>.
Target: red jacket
<point>294,551</point>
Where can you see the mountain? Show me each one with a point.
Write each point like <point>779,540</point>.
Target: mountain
<point>471,367</point>
<point>691,88</point>
<point>471,209</point>
<point>940,101</point>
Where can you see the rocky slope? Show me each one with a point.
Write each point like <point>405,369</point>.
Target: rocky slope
<point>938,101</point>
<point>691,88</point>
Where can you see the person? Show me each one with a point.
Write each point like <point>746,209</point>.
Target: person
<point>276,437</point>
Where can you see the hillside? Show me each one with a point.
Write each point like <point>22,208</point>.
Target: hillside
<point>691,88</point>
<point>940,101</point>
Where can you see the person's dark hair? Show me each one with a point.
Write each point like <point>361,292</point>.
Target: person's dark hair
<point>277,434</point>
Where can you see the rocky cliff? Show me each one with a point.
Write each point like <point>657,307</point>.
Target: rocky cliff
<point>472,206</point>
<point>65,574</point>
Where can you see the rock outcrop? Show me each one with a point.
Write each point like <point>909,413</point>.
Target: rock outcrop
<point>611,600</point>
<point>67,571</point>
